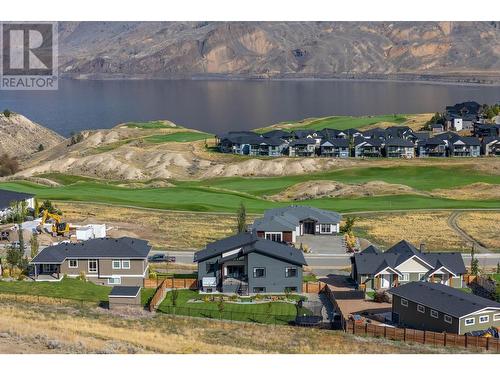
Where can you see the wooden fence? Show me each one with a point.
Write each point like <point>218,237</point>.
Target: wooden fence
<point>172,283</point>
<point>313,287</point>
<point>159,296</point>
<point>309,287</point>
<point>424,337</point>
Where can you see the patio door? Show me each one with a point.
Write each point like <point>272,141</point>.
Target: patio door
<point>49,268</point>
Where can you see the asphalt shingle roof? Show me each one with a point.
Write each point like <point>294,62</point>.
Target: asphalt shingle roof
<point>124,247</point>
<point>399,142</point>
<point>289,217</point>
<point>249,242</point>
<point>8,196</point>
<point>443,298</point>
<point>368,263</point>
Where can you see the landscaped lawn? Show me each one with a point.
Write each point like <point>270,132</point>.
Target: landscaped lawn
<point>146,295</point>
<point>272,312</point>
<point>66,288</point>
<point>177,137</point>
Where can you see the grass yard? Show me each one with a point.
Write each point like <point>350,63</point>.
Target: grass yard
<point>177,137</point>
<point>66,288</point>
<point>273,312</point>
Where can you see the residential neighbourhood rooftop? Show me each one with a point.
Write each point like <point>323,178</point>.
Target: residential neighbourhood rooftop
<point>124,247</point>
<point>248,242</point>
<point>451,301</point>
<point>370,261</point>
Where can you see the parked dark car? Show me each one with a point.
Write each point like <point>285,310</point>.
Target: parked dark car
<point>159,258</point>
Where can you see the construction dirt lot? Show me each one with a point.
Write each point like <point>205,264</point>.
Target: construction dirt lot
<point>177,230</point>
<point>170,230</point>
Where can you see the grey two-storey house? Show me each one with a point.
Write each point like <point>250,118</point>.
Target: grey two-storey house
<point>246,264</point>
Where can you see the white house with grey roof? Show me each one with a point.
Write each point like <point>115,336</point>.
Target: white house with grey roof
<point>285,224</point>
<point>440,308</point>
<point>373,269</point>
<point>247,264</point>
<point>103,261</point>
<point>8,197</point>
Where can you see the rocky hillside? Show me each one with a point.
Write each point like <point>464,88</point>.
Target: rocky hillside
<point>22,137</point>
<point>467,51</point>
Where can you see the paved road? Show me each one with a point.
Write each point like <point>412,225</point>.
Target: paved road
<point>323,264</point>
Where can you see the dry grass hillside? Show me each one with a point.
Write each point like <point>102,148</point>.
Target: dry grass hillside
<point>51,327</point>
<point>21,137</point>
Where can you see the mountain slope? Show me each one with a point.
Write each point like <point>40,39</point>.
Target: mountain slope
<point>447,50</point>
<point>22,137</point>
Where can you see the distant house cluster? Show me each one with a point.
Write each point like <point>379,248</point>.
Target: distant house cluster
<point>392,142</point>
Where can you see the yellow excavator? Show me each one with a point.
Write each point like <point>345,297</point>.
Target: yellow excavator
<point>59,228</point>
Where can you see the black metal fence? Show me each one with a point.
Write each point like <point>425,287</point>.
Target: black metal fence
<point>241,316</point>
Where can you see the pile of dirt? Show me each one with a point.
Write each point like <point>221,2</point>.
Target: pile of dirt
<point>22,137</point>
<point>477,191</point>
<point>334,189</point>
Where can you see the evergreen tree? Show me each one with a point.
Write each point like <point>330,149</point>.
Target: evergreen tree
<point>241,219</point>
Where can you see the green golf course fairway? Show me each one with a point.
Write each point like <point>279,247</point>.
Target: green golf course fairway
<point>341,122</point>
<point>226,194</point>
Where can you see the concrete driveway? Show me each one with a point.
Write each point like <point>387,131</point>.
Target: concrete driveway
<point>323,244</point>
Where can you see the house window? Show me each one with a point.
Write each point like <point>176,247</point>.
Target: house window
<point>404,302</point>
<point>116,264</point>
<point>259,289</point>
<point>290,272</point>
<point>126,264</point>
<point>73,263</point>
<point>484,319</point>
<point>470,321</point>
<point>210,267</point>
<point>421,276</point>
<point>434,314</point>
<point>325,228</point>
<point>291,289</point>
<point>496,317</point>
<point>259,272</point>
<point>420,309</point>
<point>448,319</point>
<point>114,281</point>
<point>405,277</point>
<point>276,237</point>
<point>93,265</point>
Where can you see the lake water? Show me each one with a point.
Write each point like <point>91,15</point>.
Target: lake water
<point>218,106</point>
